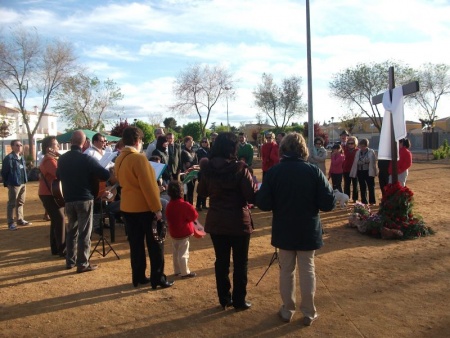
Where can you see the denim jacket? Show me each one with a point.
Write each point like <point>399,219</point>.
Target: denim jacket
<point>11,170</point>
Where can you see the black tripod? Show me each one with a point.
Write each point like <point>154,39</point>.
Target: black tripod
<point>273,259</point>
<point>102,238</point>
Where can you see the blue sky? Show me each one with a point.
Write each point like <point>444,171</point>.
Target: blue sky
<point>143,45</point>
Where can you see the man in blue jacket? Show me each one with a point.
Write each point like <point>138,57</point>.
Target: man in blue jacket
<point>14,174</point>
<point>295,191</point>
<point>79,174</point>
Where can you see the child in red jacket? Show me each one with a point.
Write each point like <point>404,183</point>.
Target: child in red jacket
<point>180,218</point>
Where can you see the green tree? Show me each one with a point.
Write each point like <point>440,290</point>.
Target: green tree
<point>280,103</point>
<point>147,129</point>
<point>199,88</point>
<point>170,123</point>
<point>32,66</point>
<point>357,86</point>
<point>85,102</point>
<point>193,129</point>
<point>221,129</point>
<point>434,82</point>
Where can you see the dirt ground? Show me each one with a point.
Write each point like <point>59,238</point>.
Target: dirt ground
<point>366,287</point>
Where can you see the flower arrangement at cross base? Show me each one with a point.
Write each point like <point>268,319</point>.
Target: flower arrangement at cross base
<point>395,218</point>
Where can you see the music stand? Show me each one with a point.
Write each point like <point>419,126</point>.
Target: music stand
<point>102,238</point>
<point>273,259</point>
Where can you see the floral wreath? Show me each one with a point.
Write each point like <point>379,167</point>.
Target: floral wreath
<point>395,218</point>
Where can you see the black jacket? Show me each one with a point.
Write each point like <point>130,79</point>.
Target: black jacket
<point>295,191</point>
<point>174,164</point>
<point>79,175</point>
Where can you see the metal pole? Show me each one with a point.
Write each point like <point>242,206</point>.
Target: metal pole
<point>228,120</point>
<point>310,97</point>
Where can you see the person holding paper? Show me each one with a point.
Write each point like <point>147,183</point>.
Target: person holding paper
<point>96,148</point>
<point>162,153</point>
<point>189,160</point>
<point>140,205</point>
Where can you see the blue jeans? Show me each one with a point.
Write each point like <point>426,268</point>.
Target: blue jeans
<point>79,229</point>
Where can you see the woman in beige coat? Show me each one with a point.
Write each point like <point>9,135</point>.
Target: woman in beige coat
<point>365,169</point>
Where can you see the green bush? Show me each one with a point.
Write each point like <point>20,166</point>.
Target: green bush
<point>442,152</point>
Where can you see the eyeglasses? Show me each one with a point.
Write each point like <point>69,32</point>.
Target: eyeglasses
<point>204,141</point>
<point>268,138</point>
<point>350,143</point>
<point>19,145</point>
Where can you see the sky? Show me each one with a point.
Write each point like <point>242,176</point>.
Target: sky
<point>144,45</point>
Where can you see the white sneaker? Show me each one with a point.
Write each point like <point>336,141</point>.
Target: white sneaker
<point>12,227</point>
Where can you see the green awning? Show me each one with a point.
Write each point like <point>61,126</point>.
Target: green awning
<point>65,138</point>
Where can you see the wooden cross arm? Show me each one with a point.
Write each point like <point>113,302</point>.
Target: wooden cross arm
<point>408,88</point>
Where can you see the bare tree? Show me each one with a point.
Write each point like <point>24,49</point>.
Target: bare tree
<point>85,102</point>
<point>350,120</point>
<point>199,88</point>
<point>280,104</point>
<point>30,66</point>
<point>356,86</point>
<point>434,80</point>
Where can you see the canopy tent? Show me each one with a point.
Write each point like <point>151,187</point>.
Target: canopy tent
<point>65,138</point>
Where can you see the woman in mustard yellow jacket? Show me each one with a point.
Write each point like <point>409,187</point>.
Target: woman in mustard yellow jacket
<point>140,205</point>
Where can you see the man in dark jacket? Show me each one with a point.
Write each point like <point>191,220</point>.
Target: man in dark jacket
<point>79,174</point>
<point>14,174</point>
<point>295,191</point>
<point>174,151</point>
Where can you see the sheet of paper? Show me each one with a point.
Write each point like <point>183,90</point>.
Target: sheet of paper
<point>107,160</point>
<point>158,167</point>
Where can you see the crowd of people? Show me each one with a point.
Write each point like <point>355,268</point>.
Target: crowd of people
<point>295,187</point>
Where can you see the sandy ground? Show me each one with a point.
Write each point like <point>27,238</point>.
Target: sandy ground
<point>366,287</point>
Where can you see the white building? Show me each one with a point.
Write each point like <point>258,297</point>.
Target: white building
<point>12,117</point>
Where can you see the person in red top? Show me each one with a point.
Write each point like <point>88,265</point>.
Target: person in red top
<point>48,168</point>
<point>180,218</point>
<point>404,162</point>
<point>350,149</point>
<point>269,153</point>
<point>337,161</point>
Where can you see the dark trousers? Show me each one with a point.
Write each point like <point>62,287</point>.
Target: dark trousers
<point>351,181</point>
<point>57,226</point>
<point>190,192</point>
<point>140,233</point>
<point>336,180</point>
<point>383,173</point>
<point>223,245</point>
<point>366,182</point>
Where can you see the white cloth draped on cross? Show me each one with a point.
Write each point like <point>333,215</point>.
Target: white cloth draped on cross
<point>394,107</point>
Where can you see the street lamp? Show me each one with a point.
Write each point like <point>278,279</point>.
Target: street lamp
<point>228,121</point>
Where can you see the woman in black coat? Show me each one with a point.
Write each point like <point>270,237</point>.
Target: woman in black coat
<point>163,154</point>
<point>295,191</point>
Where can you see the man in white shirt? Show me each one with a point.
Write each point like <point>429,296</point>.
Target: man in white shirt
<point>96,149</point>
<point>152,146</point>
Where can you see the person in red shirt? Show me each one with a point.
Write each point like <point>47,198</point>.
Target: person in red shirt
<point>269,153</point>
<point>180,218</point>
<point>404,161</point>
<point>350,149</point>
